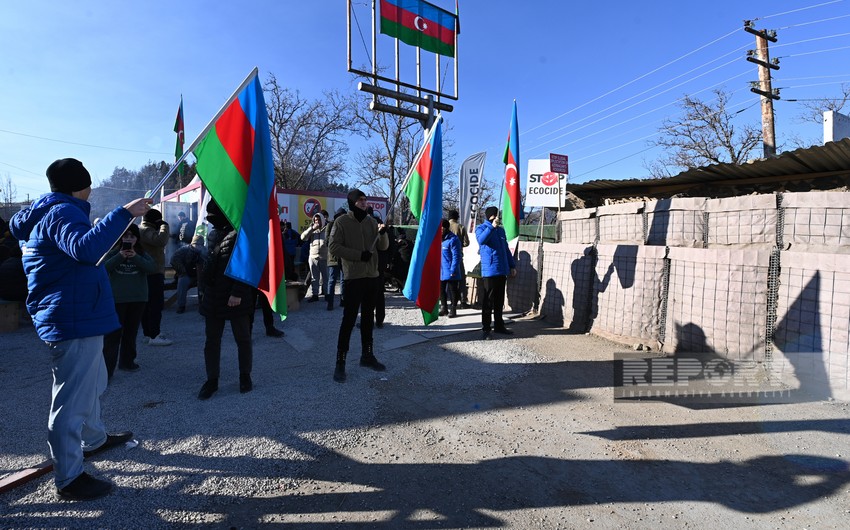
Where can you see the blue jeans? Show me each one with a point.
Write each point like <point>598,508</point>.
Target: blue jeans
<point>74,425</point>
<point>318,274</point>
<point>334,275</point>
<point>184,283</point>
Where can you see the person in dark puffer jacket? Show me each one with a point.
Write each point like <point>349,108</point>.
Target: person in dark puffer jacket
<point>224,299</point>
<point>70,301</point>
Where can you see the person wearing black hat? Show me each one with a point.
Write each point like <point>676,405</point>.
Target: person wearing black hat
<point>71,304</point>
<point>154,236</point>
<point>224,299</point>
<point>354,240</point>
<point>497,262</point>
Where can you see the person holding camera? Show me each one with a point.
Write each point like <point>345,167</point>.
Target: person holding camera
<point>128,266</point>
<point>314,236</point>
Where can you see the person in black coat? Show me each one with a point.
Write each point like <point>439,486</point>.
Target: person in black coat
<point>224,299</point>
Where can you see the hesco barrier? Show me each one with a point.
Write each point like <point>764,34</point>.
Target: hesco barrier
<point>761,277</point>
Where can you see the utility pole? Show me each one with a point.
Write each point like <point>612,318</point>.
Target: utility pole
<point>761,57</point>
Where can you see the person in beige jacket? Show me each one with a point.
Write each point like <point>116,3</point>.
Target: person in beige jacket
<point>318,260</point>
<point>355,239</point>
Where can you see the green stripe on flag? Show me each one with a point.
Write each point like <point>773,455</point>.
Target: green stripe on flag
<point>415,191</point>
<point>221,178</point>
<point>416,38</point>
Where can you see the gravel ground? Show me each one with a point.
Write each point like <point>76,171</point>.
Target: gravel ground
<point>518,432</point>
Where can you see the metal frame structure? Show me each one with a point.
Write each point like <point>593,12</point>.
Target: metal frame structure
<point>429,104</point>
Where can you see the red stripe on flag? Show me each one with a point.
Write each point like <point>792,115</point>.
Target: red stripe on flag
<point>512,173</point>
<point>429,289</point>
<point>423,169</point>
<point>408,19</point>
<point>236,135</point>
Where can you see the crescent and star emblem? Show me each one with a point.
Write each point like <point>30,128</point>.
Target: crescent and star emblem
<point>420,24</point>
<point>511,168</point>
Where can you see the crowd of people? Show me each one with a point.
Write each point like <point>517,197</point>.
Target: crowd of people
<point>89,287</point>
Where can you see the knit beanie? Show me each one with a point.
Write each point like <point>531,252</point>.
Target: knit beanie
<point>152,216</point>
<point>490,212</point>
<point>215,216</point>
<point>353,195</point>
<point>68,175</point>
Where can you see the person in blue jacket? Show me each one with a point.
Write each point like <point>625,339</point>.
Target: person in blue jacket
<point>497,263</point>
<point>71,305</point>
<point>450,270</point>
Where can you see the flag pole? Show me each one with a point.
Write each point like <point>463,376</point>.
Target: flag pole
<point>191,148</point>
<point>203,132</point>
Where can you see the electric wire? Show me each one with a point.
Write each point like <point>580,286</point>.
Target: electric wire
<point>84,145</point>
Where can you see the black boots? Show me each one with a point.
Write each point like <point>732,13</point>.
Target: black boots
<point>443,310</point>
<point>245,383</point>
<point>367,359</point>
<point>209,388</point>
<point>453,312</point>
<point>339,371</point>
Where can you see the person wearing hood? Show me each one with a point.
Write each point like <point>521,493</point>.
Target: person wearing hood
<point>497,263</point>
<point>334,266</point>
<point>315,237</point>
<point>155,234</point>
<point>224,299</point>
<point>71,305</point>
<point>354,240</point>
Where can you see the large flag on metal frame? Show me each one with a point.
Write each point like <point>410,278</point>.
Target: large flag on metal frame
<point>424,189</point>
<point>235,164</point>
<point>418,23</point>
<point>511,198</point>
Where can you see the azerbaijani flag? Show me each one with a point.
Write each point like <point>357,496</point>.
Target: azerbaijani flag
<point>235,163</point>
<point>178,128</point>
<point>510,192</point>
<point>424,190</point>
<point>420,24</point>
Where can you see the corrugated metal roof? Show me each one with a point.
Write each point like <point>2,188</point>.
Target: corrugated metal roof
<point>831,159</point>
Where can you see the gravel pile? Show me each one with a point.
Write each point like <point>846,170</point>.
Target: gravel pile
<point>195,458</point>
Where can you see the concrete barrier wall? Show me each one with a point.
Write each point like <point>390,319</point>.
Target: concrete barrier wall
<point>773,278</point>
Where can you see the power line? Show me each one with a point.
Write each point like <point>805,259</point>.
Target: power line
<point>800,9</point>
<point>84,145</point>
<point>632,81</point>
<point>813,22</point>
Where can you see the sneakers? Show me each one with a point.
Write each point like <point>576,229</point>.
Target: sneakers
<point>112,440</point>
<point>209,388</point>
<point>84,488</point>
<point>132,367</point>
<point>159,340</point>
<point>245,383</point>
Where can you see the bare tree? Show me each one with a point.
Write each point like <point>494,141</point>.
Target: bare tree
<point>814,109</point>
<point>703,135</point>
<point>307,136</point>
<point>9,192</point>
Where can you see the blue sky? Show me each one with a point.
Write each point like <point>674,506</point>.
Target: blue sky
<point>101,80</point>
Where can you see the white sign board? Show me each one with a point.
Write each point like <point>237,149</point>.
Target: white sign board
<point>543,187</point>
